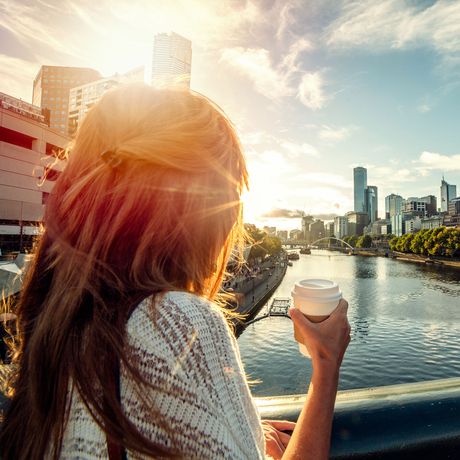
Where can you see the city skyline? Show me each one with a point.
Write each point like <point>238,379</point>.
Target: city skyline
<point>314,88</point>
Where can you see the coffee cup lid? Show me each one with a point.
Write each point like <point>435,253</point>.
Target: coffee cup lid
<point>317,289</point>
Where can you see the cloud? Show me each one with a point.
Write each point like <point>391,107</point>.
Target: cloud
<point>298,150</point>
<point>255,64</point>
<point>329,179</point>
<point>276,81</point>
<point>26,22</point>
<point>257,141</point>
<point>17,76</point>
<point>423,108</point>
<point>311,90</point>
<point>335,134</point>
<point>278,213</point>
<point>431,161</point>
<point>392,24</point>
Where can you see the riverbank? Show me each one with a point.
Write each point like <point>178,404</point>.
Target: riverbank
<point>256,292</point>
<point>403,256</point>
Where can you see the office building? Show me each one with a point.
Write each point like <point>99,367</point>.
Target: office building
<point>329,229</point>
<point>356,222</point>
<point>295,234</point>
<point>428,223</point>
<point>83,97</point>
<point>372,200</point>
<point>359,188</point>
<point>454,207</point>
<point>424,207</point>
<point>448,192</point>
<point>171,60</point>
<point>282,234</point>
<point>393,205</point>
<point>380,227</point>
<point>340,227</point>
<point>317,230</point>
<point>412,224</point>
<point>306,221</point>
<point>51,91</point>
<point>30,153</point>
<point>431,204</point>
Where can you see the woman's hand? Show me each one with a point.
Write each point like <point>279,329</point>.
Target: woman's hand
<point>275,440</point>
<point>326,341</point>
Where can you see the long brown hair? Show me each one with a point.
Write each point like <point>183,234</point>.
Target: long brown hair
<point>149,202</point>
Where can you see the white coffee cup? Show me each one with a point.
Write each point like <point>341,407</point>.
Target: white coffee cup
<point>316,299</point>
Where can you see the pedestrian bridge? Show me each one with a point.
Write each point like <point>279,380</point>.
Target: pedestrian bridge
<point>305,243</point>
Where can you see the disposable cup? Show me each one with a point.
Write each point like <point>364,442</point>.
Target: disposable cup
<point>316,299</point>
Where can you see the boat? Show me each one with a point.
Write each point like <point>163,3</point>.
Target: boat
<point>290,264</point>
<point>293,256</point>
<point>305,251</point>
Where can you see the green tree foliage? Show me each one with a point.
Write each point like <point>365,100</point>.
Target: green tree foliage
<point>351,240</point>
<point>441,241</point>
<point>261,243</point>
<point>364,241</point>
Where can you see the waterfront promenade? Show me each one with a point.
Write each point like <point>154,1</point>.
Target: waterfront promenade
<point>253,289</point>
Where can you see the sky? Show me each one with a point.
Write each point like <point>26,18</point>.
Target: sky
<point>314,87</point>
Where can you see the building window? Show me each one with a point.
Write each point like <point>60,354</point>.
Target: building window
<point>55,151</point>
<point>16,138</point>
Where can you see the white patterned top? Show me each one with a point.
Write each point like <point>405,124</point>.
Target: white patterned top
<point>184,346</point>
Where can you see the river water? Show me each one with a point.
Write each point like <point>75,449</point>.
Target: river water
<point>405,321</point>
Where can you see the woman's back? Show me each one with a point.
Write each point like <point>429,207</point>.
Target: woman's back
<point>183,345</point>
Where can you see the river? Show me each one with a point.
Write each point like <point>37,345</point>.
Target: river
<point>405,321</point>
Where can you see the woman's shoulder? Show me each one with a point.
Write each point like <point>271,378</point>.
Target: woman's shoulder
<point>177,306</point>
<point>176,318</point>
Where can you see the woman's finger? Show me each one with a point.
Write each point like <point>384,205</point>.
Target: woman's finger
<point>281,425</point>
<point>284,438</point>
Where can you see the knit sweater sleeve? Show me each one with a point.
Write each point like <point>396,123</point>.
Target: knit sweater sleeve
<point>183,345</point>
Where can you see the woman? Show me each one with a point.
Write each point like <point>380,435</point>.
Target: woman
<point>124,351</point>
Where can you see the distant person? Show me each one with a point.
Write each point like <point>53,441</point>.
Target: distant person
<point>124,348</point>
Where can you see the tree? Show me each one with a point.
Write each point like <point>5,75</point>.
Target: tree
<point>364,241</point>
<point>261,243</point>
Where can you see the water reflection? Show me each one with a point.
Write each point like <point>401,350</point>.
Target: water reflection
<point>405,319</point>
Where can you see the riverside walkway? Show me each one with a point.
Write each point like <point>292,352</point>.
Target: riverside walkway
<point>253,292</point>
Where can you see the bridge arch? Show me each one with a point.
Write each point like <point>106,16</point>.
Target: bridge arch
<point>333,238</point>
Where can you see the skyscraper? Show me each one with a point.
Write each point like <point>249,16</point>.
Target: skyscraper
<point>372,199</point>
<point>51,91</point>
<point>171,60</point>
<point>448,192</point>
<point>360,185</point>
<point>83,97</point>
<point>393,205</point>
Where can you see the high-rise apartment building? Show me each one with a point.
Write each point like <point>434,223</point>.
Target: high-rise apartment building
<point>356,222</point>
<point>425,206</point>
<point>306,221</point>
<point>83,97</point>
<point>372,199</point>
<point>171,60</point>
<point>317,230</point>
<point>448,192</point>
<point>30,164</point>
<point>393,205</point>
<point>359,187</point>
<point>340,226</point>
<point>51,91</point>
<point>329,228</point>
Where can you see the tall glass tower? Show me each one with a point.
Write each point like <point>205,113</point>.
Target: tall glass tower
<point>448,193</point>
<point>372,199</point>
<point>171,60</point>
<point>360,186</point>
